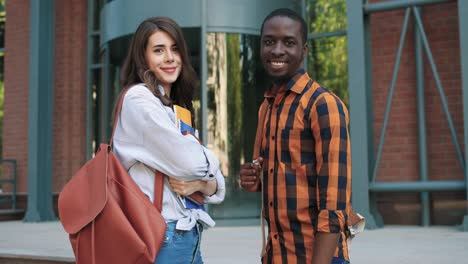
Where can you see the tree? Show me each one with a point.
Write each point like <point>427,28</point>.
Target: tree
<point>328,57</point>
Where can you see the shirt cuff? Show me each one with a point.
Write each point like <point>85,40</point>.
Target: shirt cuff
<point>218,196</point>
<point>213,165</point>
<point>331,221</point>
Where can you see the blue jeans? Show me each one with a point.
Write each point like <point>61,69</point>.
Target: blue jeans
<point>180,247</point>
<point>336,260</point>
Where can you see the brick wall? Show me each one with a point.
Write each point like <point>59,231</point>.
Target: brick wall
<point>15,121</point>
<point>69,89</point>
<point>400,158</point>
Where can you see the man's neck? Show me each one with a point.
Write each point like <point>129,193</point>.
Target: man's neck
<point>275,88</point>
<point>278,83</point>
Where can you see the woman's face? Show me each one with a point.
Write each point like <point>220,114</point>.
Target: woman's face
<point>163,59</point>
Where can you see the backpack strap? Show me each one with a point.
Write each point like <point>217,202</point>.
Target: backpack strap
<point>158,190</point>
<point>158,176</point>
<point>117,113</point>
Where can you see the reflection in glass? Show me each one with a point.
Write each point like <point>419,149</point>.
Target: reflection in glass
<point>235,83</point>
<point>327,60</point>
<point>328,64</point>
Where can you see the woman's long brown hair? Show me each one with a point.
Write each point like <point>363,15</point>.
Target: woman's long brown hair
<point>135,69</point>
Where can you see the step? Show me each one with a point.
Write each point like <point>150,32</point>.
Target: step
<point>27,259</point>
<point>11,214</point>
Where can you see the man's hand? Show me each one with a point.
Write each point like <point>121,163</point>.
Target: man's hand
<point>250,172</point>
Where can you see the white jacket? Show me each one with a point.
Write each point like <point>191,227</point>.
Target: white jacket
<point>147,139</point>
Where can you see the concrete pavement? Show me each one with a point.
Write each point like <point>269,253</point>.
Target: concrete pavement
<point>241,244</point>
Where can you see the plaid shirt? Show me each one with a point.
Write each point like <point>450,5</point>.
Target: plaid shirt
<point>307,169</point>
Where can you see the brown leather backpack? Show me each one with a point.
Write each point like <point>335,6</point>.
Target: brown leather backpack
<point>107,216</point>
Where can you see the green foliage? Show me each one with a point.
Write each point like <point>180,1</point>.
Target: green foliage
<point>327,57</point>
<point>2,26</point>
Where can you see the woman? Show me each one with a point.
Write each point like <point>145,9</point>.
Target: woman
<point>158,74</point>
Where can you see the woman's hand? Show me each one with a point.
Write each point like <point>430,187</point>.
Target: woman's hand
<point>188,187</point>
<point>184,187</point>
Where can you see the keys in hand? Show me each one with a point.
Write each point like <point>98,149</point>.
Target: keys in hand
<point>250,172</point>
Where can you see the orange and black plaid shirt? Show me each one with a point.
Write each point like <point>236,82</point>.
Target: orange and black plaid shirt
<point>306,169</point>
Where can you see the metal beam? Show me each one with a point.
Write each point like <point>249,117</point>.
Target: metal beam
<point>422,141</point>
<point>105,100</point>
<point>326,34</point>
<point>427,186</point>
<point>359,124</point>
<point>204,74</point>
<point>463,27</point>
<point>399,4</point>
<point>443,99</point>
<point>40,115</point>
<point>396,67</point>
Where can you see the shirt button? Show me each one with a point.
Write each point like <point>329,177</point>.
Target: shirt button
<point>271,170</point>
<point>275,236</point>
<point>273,137</point>
<point>271,203</point>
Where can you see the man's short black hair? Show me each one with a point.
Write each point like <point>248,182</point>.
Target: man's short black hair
<point>286,12</point>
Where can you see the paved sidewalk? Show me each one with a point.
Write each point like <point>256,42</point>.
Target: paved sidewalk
<point>226,245</point>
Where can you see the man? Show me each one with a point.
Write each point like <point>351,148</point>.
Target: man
<point>302,149</point>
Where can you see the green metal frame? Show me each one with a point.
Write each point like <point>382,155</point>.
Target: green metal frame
<point>11,181</point>
<point>463,25</point>
<point>390,96</point>
<point>105,97</point>
<point>398,4</point>
<point>40,117</point>
<point>422,140</point>
<point>204,73</point>
<point>359,101</point>
<point>439,86</point>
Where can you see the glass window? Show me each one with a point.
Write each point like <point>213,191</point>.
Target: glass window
<point>327,60</point>
<point>235,84</point>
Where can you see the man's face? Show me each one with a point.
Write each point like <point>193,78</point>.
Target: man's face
<point>281,49</point>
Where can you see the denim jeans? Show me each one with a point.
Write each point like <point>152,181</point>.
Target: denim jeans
<point>336,260</point>
<point>180,247</point>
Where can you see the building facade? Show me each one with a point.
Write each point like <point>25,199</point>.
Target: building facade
<point>90,39</point>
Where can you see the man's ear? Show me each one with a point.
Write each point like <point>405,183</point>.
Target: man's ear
<point>304,49</point>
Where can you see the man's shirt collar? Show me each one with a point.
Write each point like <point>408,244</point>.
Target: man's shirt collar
<point>296,84</point>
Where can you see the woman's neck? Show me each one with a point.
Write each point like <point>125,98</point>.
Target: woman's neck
<point>167,90</point>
